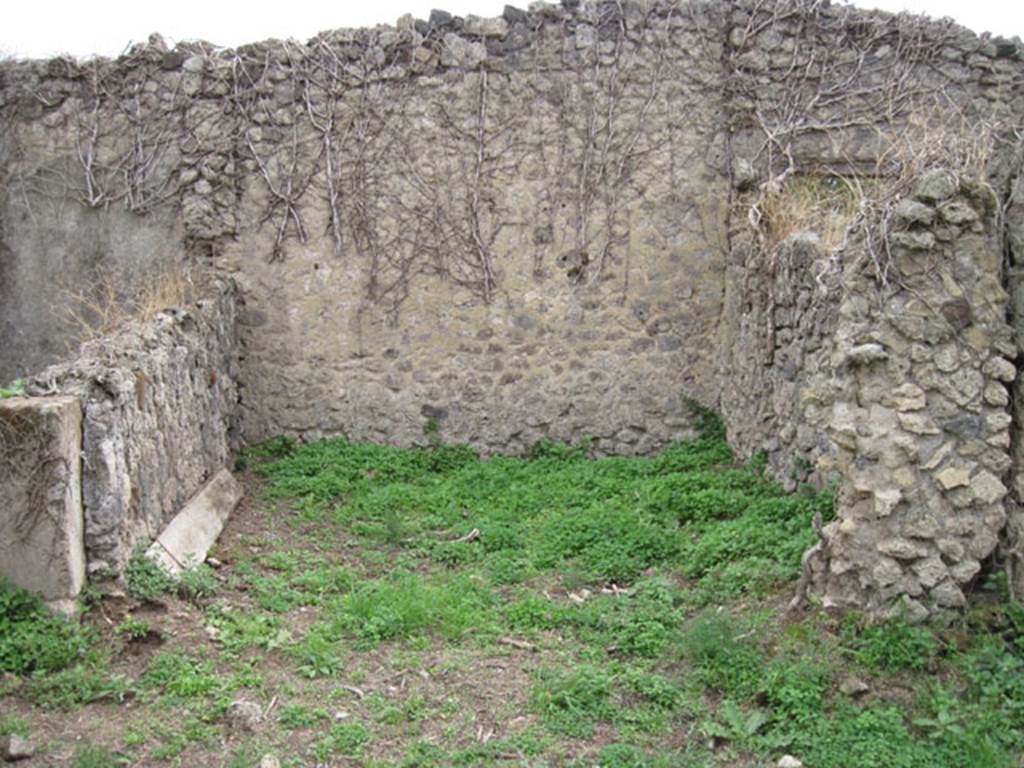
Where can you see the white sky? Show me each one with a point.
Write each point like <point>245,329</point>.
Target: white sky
<point>37,28</point>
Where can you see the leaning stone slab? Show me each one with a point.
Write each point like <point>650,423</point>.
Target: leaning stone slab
<point>189,536</point>
<point>41,521</point>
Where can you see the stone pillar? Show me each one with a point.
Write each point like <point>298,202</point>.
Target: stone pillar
<point>920,419</point>
<point>41,522</point>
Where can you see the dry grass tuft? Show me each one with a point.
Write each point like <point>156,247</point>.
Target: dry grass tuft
<point>846,208</point>
<point>824,204</point>
<point>109,306</point>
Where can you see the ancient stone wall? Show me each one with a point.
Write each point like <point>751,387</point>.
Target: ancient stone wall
<point>1013,212</point>
<point>835,202</point>
<point>158,404</point>
<point>822,147</point>
<point>412,242</point>
<point>555,223</point>
<point>445,254</point>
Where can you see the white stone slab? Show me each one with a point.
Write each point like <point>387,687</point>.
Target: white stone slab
<point>41,522</point>
<point>189,536</point>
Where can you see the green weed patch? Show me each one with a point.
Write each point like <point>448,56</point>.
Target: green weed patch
<point>429,607</point>
<point>33,640</point>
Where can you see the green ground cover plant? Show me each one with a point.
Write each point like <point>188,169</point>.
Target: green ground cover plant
<point>428,607</point>
<point>31,639</point>
<point>15,389</point>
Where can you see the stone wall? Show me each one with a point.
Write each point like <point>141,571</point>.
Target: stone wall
<point>514,274</point>
<point>852,362</point>
<point>158,404</point>
<point>553,224</point>
<point>1014,229</point>
<point>853,128</point>
<point>410,242</point>
<point>413,245</point>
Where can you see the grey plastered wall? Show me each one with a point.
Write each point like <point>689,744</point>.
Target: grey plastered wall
<point>50,257</point>
<point>66,236</point>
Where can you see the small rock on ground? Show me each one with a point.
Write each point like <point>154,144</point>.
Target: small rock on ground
<point>246,714</point>
<point>788,761</point>
<point>853,686</point>
<point>14,748</point>
<point>270,761</point>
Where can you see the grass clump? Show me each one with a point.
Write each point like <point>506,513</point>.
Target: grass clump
<point>514,518</point>
<point>301,717</point>
<point>409,606</point>
<point>76,686</point>
<point>890,646</point>
<point>147,581</point>
<point>98,757</point>
<point>182,677</point>
<point>572,703</point>
<point>642,623</point>
<point>723,654</point>
<point>236,631</point>
<point>12,725</point>
<point>342,740</point>
<point>609,542</point>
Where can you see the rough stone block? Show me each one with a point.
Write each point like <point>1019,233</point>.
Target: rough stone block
<point>906,397</point>
<point>157,400</point>
<point>41,523</point>
<point>1001,369</point>
<point>987,488</point>
<point>936,185</point>
<point>475,26</point>
<point>953,477</point>
<point>902,549</point>
<point>189,536</point>
<point>918,424</point>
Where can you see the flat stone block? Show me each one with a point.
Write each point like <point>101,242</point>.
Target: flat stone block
<point>41,521</point>
<point>189,536</point>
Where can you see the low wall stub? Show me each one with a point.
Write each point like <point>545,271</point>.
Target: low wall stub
<point>158,402</point>
<point>41,521</point>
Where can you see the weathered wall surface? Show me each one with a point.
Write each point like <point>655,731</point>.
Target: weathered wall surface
<point>516,227</point>
<point>40,496</point>
<point>58,259</point>
<point>876,354</point>
<point>158,403</point>
<point>823,146</point>
<point>1014,229</point>
<point>412,241</point>
<point>777,341</point>
<point>68,239</point>
<point>512,273</point>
